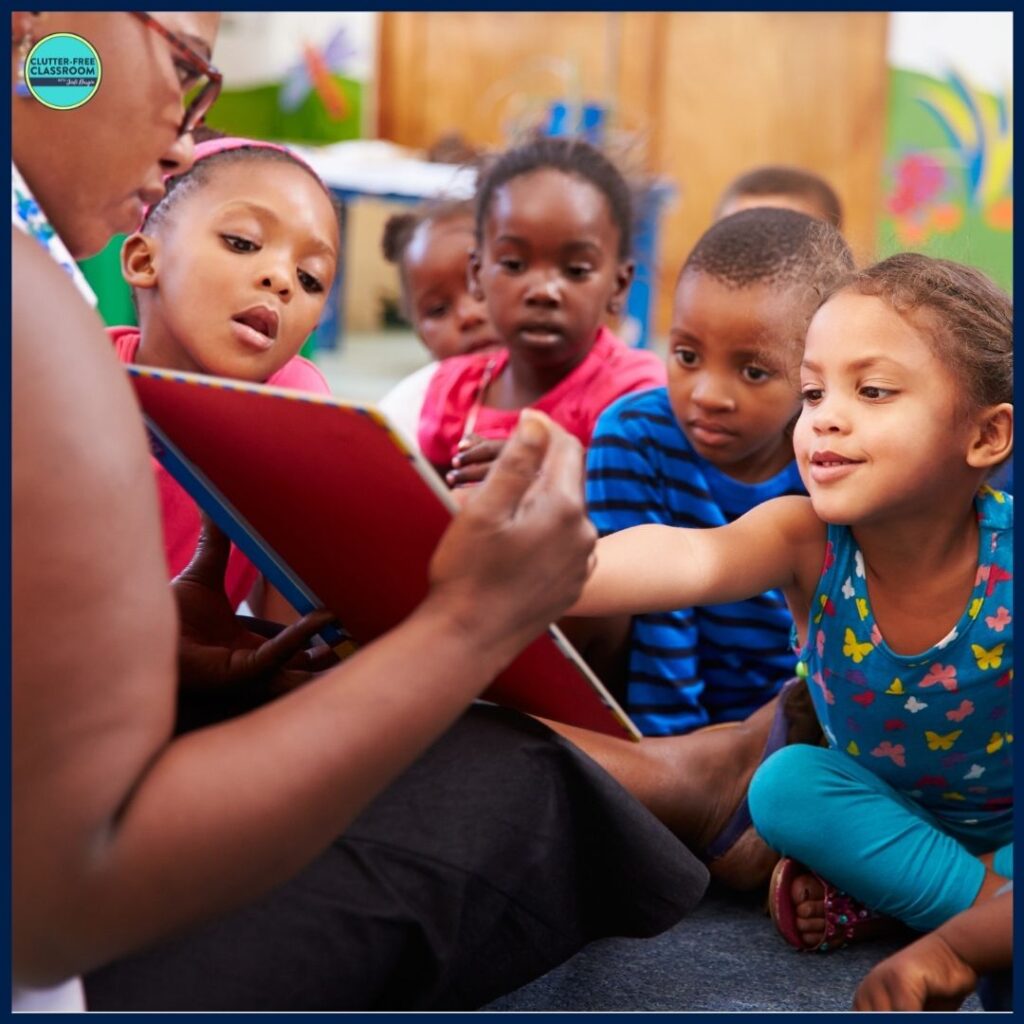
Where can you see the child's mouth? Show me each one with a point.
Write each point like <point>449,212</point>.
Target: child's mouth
<point>540,334</point>
<point>830,460</point>
<point>710,433</point>
<point>482,345</point>
<point>829,466</point>
<point>256,326</point>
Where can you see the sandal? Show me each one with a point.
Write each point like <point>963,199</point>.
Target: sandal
<point>778,737</point>
<point>846,919</point>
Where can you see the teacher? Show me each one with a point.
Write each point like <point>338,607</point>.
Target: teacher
<point>476,850</point>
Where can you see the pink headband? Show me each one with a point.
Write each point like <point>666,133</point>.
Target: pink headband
<point>211,146</point>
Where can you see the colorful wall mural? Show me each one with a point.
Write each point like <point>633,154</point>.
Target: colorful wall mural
<point>299,77</point>
<point>948,176</point>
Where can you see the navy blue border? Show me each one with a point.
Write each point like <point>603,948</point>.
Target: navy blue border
<point>5,454</point>
<point>5,600</point>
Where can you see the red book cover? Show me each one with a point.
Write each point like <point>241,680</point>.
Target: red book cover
<point>327,492</point>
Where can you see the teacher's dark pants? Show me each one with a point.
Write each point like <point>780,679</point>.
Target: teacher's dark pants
<point>493,859</point>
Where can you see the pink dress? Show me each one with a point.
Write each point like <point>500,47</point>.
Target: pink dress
<point>610,370</point>
<point>178,512</point>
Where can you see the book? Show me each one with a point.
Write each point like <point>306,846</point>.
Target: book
<point>337,511</point>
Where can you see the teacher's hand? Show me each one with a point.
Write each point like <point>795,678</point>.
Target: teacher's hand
<point>520,549</point>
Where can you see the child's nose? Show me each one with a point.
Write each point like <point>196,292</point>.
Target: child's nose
<point>277,281</point>
<point>544,289</point>
<point>471,313</point>
<point>828,418</point>
<point>711,394</point>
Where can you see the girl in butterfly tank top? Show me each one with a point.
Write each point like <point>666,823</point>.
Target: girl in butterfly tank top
<point>898,570</point>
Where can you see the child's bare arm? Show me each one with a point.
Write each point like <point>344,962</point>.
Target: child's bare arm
<point>939,970</point>
<point>656,568</point>
<point>123,833</point>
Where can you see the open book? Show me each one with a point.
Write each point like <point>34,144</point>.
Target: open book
<point>332,506</point>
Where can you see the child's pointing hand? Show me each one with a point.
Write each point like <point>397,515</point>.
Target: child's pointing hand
<point>216,653</point>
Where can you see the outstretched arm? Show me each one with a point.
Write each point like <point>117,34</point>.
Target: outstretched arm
<point>122,833</point>
<point>656,568</point>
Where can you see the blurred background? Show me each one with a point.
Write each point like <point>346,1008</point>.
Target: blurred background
<point>907,115</point>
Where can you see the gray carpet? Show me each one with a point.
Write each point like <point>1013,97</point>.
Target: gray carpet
<point>725,956</point>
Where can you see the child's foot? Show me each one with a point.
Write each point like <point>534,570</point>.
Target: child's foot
<point>809,906</point>
<point>812,914</point>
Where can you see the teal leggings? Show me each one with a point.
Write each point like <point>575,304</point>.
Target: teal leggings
<point>826,810</point>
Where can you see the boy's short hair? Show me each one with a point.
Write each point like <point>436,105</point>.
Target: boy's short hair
<point>781,180</point>
<point>770,245</point>
<point>792,252</point>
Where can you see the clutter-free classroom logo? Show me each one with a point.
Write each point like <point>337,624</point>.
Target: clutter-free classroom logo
<point>63,71</point>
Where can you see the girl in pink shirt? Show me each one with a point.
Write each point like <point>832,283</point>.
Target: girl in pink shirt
<point>230,272</point>
<point>552,259</point>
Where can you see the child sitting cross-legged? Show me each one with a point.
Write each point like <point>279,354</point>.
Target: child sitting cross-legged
<point>230,271</point>
<point>898,571</point>
<point>709,447</point>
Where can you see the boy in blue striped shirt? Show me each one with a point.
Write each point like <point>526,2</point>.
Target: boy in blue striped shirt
<point>711,445</point>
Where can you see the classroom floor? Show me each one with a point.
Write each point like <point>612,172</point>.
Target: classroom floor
<point>724,957</point>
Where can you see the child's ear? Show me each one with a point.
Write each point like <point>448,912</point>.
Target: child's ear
<point>623,279</point>
<point>138,260</point>
<point>992,436</point>
<point>473,276</point>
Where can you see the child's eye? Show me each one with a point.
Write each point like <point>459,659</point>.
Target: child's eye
<point>511,264</point>
<point>811,395</point>
<point>756,374</point>
<point>685,356</point>
<point>874,392</point>
<point>309,282</point>
<point>578,270</point>
<point>436,312</point>
<point>240,244</point>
